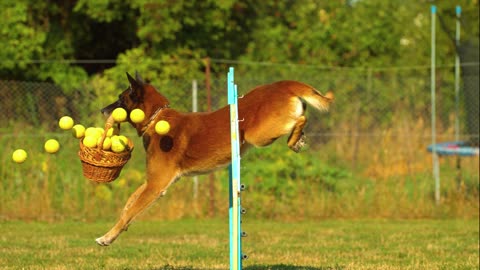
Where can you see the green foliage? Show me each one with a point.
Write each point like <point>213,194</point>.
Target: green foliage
<point>334,33</point>
<point>280,177</point>
<point>69,78</point>
<point>20,41</point>
<point>102,10</point>
<point>167,40</point>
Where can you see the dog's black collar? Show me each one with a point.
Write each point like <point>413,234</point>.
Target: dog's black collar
<point>152,118</point>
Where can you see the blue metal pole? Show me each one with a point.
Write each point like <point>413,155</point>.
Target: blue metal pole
<point>234,183</point>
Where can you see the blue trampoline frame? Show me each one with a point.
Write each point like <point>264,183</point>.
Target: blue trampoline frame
<point>454,149</point>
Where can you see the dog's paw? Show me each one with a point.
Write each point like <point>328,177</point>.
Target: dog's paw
<point>102,241</point>
<point>299,144</point>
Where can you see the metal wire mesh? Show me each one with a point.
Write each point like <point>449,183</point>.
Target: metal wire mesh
<point>367,101</point>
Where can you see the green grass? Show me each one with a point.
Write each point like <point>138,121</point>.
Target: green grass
<point>203,244</point>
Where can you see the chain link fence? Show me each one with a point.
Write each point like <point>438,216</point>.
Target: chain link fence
<point>368,102</point>
<point>377,131</point>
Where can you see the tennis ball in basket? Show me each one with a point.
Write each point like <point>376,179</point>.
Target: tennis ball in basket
<point>100,131</point>
<point>90,141</point>
<point>117,145</point>
<point>123,139</point>
<point>110,132</point>
<point>119,115</point>
<point>162,127</point>
<point>51,146</point>
<point>65,123</point>
<point>107,143</point>
<point>19,155</point>
<point>137,115</point>
<point>78,131</point>
<point>94,132</point>
<point>91,131</point>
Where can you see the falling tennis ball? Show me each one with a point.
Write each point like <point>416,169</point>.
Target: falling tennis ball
<point>78,131</point>
<point>119,115</point>
<point>137,115</point>
<point>51,146</point>
<point>107,143</point>
<point>19,155</point>
<point>162,127</point>
<point>65,123</point>
<point>117,145</point>
<point>90,141</point>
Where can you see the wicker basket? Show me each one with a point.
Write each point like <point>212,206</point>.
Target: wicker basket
<point>103,166</point>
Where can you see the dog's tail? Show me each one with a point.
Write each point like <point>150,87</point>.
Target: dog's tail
<point>314,97</point>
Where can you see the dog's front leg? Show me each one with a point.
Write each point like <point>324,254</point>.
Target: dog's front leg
<point>143,197</point>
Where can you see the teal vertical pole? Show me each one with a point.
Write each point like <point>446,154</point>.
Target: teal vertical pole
<point>457,74</point>
<point>234,183</point>
<point>436,170</point>
<point>231,210</point>
<point>230,219</point>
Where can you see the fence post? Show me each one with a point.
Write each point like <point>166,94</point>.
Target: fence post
<point>436,169</point>
<point>458,11</point>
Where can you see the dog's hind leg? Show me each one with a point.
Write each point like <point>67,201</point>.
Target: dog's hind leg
<point>296,140</point>
<point>143,197</point>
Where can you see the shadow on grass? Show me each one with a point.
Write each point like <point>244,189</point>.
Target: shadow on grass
<point>262,267</point>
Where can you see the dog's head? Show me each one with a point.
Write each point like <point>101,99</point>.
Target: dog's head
<point>139,95</point>
<point>130,98</point>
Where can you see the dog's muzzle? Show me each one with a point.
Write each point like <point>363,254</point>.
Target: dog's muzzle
<point>109,109</point>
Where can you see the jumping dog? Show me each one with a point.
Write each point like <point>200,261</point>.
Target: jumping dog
<point>198,143</point>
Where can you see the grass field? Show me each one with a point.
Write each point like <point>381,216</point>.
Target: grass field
<point>203,244</point>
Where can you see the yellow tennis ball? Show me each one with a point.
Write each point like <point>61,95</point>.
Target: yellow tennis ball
<point>65,123</point>
<point>90,141</point>
<point>51,146</point>
<point>123,138</point>
<point>110,132</point>
<point>107,143</point>
<point>91,131</point>
<point>19,155</point>
<point>117,145</point>
<point>119,115</point>
<point>162,127</point>
<point>78,131</point>
<point>100,130</point>
<point>137,116</point>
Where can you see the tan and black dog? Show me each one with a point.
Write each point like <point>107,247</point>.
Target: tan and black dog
<point>200,142</point>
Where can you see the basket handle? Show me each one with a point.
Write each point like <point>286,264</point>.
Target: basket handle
<point>108,124</point>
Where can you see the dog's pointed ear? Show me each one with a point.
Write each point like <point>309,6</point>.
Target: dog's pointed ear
<point>136,88</point>
<point>135,84</point>
<point>138,78</point>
